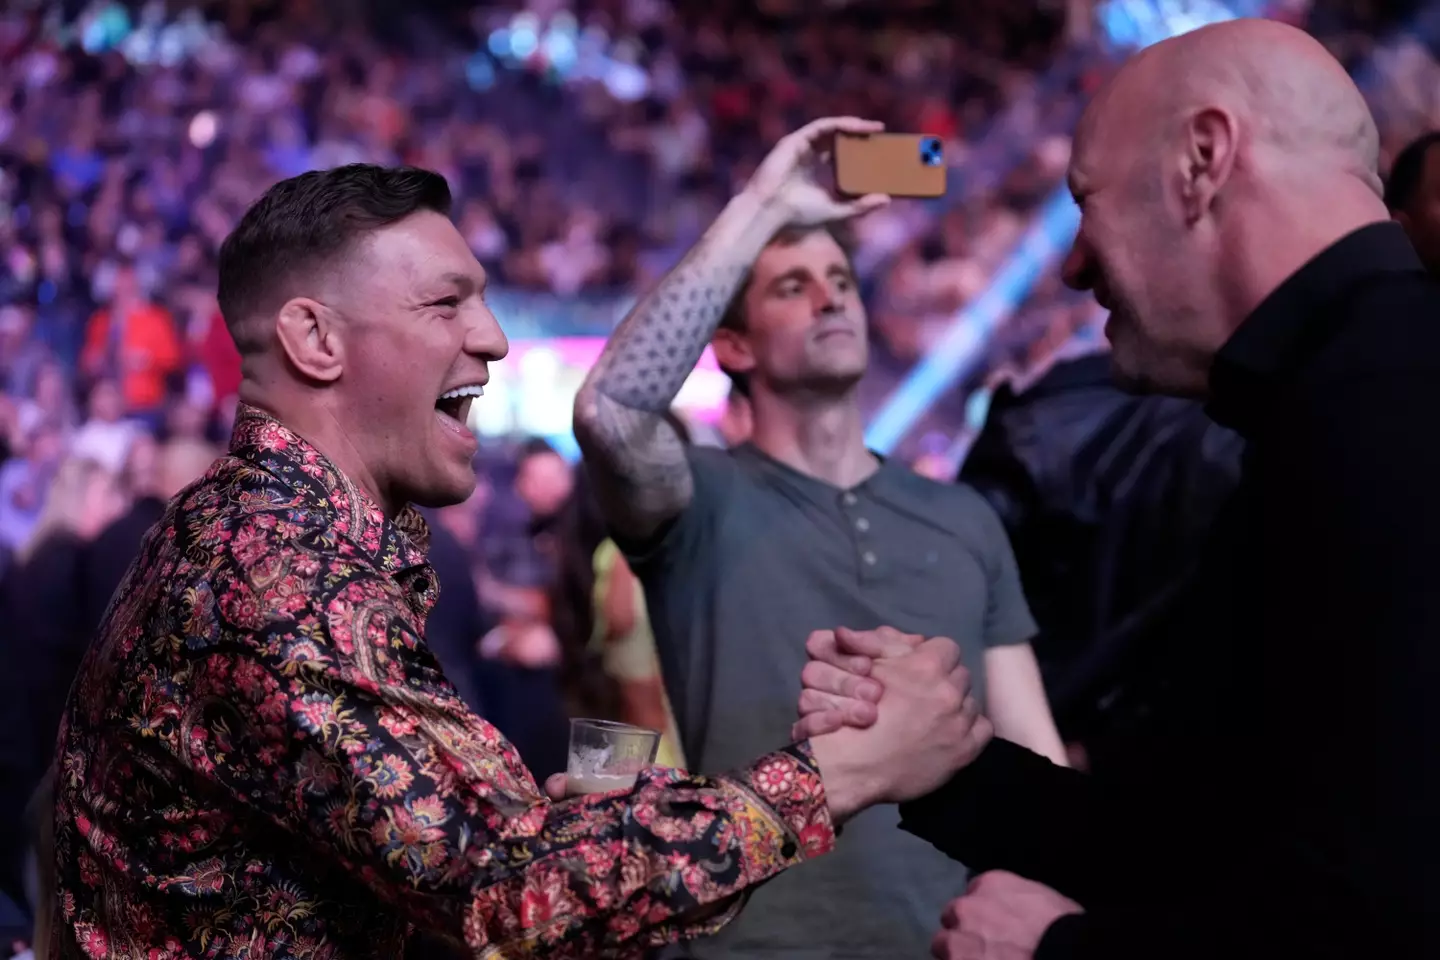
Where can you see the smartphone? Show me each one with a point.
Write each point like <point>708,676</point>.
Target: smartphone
<point>898,164</point>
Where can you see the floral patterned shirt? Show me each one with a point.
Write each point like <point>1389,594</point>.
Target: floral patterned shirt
<point>261,759</point>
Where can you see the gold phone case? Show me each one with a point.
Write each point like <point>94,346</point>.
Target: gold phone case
<point>897,164</point>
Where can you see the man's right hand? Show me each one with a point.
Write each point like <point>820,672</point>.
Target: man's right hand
<point>928,727</point>
<point>840,689</point>
<point>788,181</point>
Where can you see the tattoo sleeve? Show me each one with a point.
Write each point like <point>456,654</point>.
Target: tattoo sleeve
<point>636,460</point>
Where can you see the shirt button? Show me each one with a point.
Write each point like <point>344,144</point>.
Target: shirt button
<point>849,499</point>
<point>787,849</point>
<point>862,524</point>
<point>422,584</point>
<point>869,558</point>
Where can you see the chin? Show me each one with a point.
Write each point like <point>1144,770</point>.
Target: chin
<point>838,377</point>
<point>1126,373</point>
<point>446,492</point>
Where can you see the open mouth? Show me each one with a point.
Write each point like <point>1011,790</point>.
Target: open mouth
<point>456,403</point>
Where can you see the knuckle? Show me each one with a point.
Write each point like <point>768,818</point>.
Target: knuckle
<point>983,731</point>
<point>950,698</point>
<point>818,642</point>
<point>812,702</point>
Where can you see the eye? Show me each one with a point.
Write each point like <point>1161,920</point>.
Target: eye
<point>447,302</point>
<point>844,283</point>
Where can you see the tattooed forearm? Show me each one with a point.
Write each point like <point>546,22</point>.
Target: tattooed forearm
<point>636,460</point>
<point>636,463</point>
<point>657,346</point>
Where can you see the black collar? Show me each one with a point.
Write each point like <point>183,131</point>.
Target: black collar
<point>1297,319</point>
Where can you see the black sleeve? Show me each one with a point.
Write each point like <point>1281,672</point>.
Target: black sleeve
<point>1015,810</point>
<point>1347,862</point>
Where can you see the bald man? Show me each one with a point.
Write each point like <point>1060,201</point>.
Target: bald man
<point>1233,224</point>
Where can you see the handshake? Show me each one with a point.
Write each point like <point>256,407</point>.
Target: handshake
<point>889,716</point>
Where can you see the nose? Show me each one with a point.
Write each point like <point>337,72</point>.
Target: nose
<point>827,300</point>
<point>485,339</point>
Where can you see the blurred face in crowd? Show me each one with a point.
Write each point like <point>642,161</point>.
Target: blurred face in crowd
<point>180,463</point>
<point>544,482</point>
<point>45,447</point>
<point>1421,216</point>
<point>106,403</point>
<point>801,326</point>
<point>102,503</point>
<point>187,420</point>
<point>141,469</point>
<point>50,389</point>
<point>462,520</point>
<point>127,287</point>
<point>410,328</point>
<point>15,324</point>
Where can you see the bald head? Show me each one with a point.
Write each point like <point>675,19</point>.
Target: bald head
<point>1279,85</point>
<point>1211,168</point>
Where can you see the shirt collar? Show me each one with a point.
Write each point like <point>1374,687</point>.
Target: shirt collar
<point>394,546</point>
<point>1297,319</point>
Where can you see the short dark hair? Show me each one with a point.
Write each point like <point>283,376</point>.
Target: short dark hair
<point>302,223</point>
<point>734,316</point>
<point>1408,170</point>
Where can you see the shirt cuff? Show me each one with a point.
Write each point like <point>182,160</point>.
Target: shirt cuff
<point>783,818</point>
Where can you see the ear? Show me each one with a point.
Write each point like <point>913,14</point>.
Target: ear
<point>1211,141</point>
<point>310,335</point>
<point>732,350</point>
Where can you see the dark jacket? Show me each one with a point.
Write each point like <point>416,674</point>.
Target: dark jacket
<point>109,556</point>
<point>41,644</point>
<point>1107,498</point>
<point>1288,805</point>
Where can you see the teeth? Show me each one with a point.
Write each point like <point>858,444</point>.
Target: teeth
<point>475,390</point>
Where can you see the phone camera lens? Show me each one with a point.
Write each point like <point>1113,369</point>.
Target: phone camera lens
<point>932,153</point>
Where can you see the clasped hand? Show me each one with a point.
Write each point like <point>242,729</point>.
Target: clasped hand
<point>850,683</point>
<point>844,682</point>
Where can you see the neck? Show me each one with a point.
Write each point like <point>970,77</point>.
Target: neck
<point>1264,261</point>
<point>309,416</point>
<point>821,437</point>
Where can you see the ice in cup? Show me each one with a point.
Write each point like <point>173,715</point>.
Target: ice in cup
<point>605,755</point>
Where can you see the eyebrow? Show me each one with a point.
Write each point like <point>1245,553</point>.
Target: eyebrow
<point>800,273</point>
<point>464,283</point>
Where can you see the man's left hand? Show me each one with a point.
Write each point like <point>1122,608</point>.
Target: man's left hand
<point>1001,917</point>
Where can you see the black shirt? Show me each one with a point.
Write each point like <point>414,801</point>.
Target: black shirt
<point>1108,499</point>
<point>1289,802</point>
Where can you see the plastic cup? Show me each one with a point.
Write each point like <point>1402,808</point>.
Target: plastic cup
<point>606,756</point>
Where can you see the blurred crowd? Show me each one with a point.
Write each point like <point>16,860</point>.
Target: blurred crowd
<point>132,138</point>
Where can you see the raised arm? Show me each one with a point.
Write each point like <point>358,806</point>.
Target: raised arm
<point>637,461</point>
